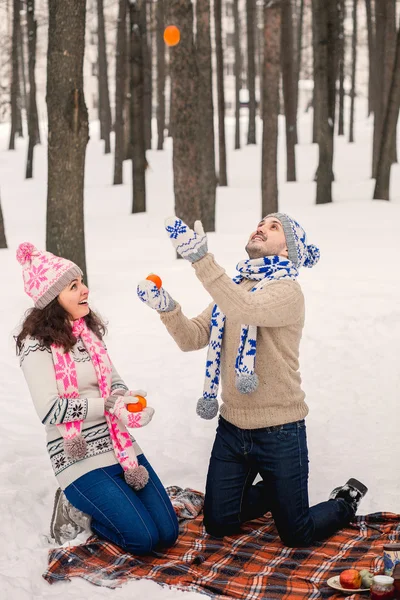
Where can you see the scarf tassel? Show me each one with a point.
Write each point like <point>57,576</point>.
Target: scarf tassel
<point>137,477</point>
<point>246,383</point>
<point>75,447</point>
<point>207,408</point>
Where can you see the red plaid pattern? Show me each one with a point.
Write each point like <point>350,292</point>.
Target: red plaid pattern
<point>251,566</point>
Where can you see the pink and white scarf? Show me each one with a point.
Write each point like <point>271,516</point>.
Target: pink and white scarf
<point>67,383</point>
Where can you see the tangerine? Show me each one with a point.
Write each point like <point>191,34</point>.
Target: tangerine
<point>155,279</point>
<point>172,35</point>
<point>137,406</point>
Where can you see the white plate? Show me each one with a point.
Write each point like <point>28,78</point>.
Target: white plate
<point>334,583</point>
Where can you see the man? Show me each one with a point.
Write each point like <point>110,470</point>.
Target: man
<point>253,329</point>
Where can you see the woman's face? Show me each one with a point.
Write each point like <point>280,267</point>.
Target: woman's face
<point>74,299</point>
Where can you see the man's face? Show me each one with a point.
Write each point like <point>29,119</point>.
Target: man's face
<point>268,239</point>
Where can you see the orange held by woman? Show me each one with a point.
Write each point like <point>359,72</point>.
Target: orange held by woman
<point>137,406</point>
<point>172,35</point>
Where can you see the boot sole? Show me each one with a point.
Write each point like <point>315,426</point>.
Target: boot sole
<point>358,486</point>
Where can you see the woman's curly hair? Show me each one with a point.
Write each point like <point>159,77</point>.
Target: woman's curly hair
<point>51,325</point>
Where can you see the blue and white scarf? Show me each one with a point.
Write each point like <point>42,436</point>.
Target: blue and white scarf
<point>263,271</point>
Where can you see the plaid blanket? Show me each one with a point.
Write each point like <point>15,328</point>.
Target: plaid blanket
<point>252,566</point>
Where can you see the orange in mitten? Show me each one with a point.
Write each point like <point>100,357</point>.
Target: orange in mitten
<point>137,406</point>
<point>155,279</point>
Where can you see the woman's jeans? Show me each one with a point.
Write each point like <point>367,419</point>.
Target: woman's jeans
<point>279,454</point>
<point>138,522</point>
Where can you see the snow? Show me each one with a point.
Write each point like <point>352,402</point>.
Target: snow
<point>349,352</point>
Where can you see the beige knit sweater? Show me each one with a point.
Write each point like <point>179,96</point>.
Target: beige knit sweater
<point>278,312</point>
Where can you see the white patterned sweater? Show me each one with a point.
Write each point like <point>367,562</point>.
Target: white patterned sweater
<point>38,368</point>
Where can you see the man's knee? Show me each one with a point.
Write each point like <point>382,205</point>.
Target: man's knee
<point>218,526</point>
<point>297,537</point>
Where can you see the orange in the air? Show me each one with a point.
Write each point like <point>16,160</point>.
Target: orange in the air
<point>155,279</point>
<point>172,35</point>
<point>137,406</point>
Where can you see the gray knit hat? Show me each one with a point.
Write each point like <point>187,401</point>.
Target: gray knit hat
<point>299,252</point>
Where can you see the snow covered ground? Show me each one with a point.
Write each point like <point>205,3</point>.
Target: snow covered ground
<point>349,356</point>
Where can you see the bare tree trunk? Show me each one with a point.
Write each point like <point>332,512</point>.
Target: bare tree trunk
<point>333,55</point>
<point>222,176</point>
<point>3,240</point>
<point>185,103</point>
<point>104,96</point>
<point>15,75</point>
<point>207,176</point>
<point>390,51</point>
<point>33,125</point>
<point>251,70</point>
<point>68,130</point>
<point>342,55</point>
<point>147,75</point>
<point>169,131</point>
<point>127,103</point>
<point>316,103</point>
<point>353,71</point>
<point>380,53</point>
<point>120,78</point>
<point>389,131</point>
<point>371,58</point>
<point>299,54</point>
<point>160,74</point>
<point>137,106</point>
<point>238,72</point>
<point>260,55</point>
<point>289,94</point>
<point>272,49</point>
<point>22,62</point>
<point>322,64</point>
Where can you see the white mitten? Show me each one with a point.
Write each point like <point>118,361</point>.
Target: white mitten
<point>190,244</point>
<point>158,299</point>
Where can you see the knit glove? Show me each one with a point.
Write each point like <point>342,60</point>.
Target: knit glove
<point>159,299</point>
<point>132,420</point>
<point>129,396</point>
<point>190,244</point>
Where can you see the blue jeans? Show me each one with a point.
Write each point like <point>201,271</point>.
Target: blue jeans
<point>279,454</point>
<point>139,521</point>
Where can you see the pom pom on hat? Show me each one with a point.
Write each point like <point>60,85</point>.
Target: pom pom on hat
<point>25,252</point>
<point>313,256</point>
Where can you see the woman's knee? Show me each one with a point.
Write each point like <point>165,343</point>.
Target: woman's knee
<point>169,536</point>
<point>140,541</point>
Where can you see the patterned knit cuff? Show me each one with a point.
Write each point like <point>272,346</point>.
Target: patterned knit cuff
<point>201,251</point>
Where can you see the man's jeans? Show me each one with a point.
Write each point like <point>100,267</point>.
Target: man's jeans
<point>136,521</point>
<point>279,454</point>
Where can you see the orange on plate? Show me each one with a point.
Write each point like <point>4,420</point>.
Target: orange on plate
<point>155,279</point>
<point>172,35</point>
<point>137,406</point>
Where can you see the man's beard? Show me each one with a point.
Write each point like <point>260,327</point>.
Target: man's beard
<point>257,252</point>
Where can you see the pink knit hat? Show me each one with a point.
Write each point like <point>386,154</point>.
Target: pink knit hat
<point>45,275</point>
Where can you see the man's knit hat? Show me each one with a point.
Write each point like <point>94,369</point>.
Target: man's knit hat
<point>45,275</point>
<point>299,252</point>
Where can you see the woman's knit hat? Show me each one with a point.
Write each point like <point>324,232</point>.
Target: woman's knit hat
<point>299,252</point>
<point>45,275</point>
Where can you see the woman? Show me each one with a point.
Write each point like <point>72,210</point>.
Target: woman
<point>81,400</point>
